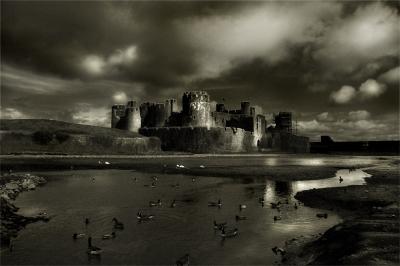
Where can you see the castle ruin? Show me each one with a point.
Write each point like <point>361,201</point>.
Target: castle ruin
<point>202,127</point>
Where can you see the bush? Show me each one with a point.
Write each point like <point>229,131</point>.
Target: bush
<point>42,137</point>
<point>62,136</point>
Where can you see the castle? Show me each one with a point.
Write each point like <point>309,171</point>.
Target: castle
<point>202,126</point>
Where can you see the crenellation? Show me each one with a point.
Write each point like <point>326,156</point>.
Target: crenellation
<point>196,113</point>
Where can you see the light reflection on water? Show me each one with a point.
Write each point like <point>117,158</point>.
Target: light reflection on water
<point>73,195</point>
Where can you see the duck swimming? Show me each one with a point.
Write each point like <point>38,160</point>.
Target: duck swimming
<point>118,224</point>
<point>93,250</point>
<point>142,217</point>
<point>229,233</point>
<point>322,215</point>
<point>78,235</point>
<point>239,218</point>
<point>215,204</point>
<point>183,261</point>
<point>219,226</point>
<point>155,203</point>
<point>340,179</point>
<point>109,236</point>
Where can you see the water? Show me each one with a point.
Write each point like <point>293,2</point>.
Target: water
<point>71,196</point>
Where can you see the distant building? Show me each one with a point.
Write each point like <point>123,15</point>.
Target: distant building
<point>247,128</point>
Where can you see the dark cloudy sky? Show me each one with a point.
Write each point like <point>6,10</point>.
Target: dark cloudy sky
<point>334,63</point>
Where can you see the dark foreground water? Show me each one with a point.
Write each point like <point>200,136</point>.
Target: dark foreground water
<point>100,195</point>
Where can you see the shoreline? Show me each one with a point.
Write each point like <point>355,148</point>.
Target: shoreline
<point>369,234</point>
<point>11,222</point>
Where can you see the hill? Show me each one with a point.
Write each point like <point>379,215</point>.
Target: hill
<point>58,137</point>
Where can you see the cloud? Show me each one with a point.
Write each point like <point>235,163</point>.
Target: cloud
<point>344,95</point>
<point>120,97</point>
<point>325,116</point>
<point>12,113</point>
<point>95,116</point>
<point>371,89</point>
<point>312,125</point>
<point>98,65</point>
<point>359,115</point>
<point>370,32</point>
<point>368,90</point>
<point>392,76</point>
<point>263,31</point>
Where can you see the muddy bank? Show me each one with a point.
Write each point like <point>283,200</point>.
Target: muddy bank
<point>370,233</point>
<point>11,222</point>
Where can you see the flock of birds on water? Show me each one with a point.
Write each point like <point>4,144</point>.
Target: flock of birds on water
<point>220,227</point>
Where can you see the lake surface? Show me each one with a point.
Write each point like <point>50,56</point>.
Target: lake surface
<point>100,195</point>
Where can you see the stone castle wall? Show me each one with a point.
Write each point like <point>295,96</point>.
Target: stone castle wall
<point>202,139</point>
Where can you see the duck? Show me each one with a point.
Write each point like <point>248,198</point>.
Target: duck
<point>275,205</point>
<point>322,215</point>
<point>153,184</point>
<point>155,203</point>
<point>219,226</point>
<point>183,261</point>
<point>277,250</point>
<point>93,250</point>
<point>87,221</point>
<point>154,178</point>
<point>118,224</point>
<point>78,235</point>
<point>242,206</point>
<point>276,218</point>
<point>239,218</point>
<point>202,166</point>
<point>142,217</point>
<point>175,185</point>
<point>173,204</point>
<point>340,179</point>
<point>229,233</point>
<point>109,236</point>
<point>215,204</point>
<point>107,162</point>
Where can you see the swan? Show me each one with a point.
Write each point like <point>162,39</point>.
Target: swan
<point>93,250</point>
<point>118,224</point>
<point>142,217</point>
<point>78,235</point>
<point>230,233</point>
<point>202,166</point>
<point>219,226</point>
<point>109,236</point>
<point>155,203</point>
<point>183,261</point>
<point>107,162</point>
<point>242,206</point>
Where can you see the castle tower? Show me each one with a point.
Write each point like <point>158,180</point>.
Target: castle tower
<point>196,109</point>
<point>117,111</point>
<point>245,108</point>
<point>171,106</point>
<point>132,117</point>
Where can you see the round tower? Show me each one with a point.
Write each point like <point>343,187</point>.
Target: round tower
<point>197,109</point>
<point>132,117</point>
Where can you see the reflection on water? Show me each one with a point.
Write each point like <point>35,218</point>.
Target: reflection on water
<point>71,196</point>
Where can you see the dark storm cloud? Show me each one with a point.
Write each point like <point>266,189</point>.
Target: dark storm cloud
<point>71,60</point>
